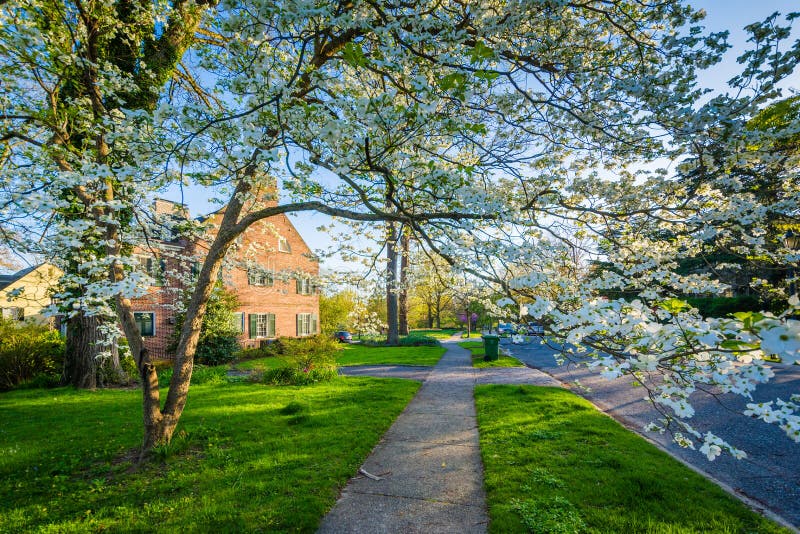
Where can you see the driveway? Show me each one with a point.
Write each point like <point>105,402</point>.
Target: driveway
<point>769,476</point>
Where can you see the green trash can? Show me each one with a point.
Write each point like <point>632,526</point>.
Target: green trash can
<point>491,347</point>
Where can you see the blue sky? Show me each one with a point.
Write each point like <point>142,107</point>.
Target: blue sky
<point>731,15</point>
<point>734,15</point>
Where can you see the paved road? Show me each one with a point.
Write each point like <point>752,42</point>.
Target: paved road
<point>770,476</point>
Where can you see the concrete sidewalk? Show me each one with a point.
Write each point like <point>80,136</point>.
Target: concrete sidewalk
<point>429,463</point>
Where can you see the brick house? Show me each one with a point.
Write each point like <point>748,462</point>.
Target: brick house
<point>271,270</point>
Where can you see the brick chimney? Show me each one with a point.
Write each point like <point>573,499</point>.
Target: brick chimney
<point>167,207</point>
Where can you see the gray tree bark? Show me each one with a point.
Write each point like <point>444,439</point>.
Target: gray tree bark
<point>393,333</point>
<point>83,368</point>
<point>405,241</point>
<point>80,359</point>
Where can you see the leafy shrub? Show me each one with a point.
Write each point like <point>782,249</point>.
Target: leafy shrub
<point>219,335</point>
<point>217,349</point>
<point>373,341</point>
<point>128,365</point>
<point>724,306</point>
<point>414,339</point>
<point>308,360</point>
<point>292,376</point>
<point>417,340</point>
<point>41,381</point>
<point>29,352</point>
<point>254,353</point>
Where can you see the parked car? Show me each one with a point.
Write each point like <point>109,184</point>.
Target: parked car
<point>343,336</point>
<point>506,329</point>
<point>534,329</point>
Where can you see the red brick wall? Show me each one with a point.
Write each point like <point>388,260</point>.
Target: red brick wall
<point>260,246</point>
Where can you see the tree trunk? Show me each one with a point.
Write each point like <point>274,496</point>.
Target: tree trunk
<point>160,424</point>
<point>430,315</point>
<point>80,359</point>
<point>405,240</point>
<point>438,312</point>
<point>110,370</point>
<point>83,368</point>
<point>392,335</point>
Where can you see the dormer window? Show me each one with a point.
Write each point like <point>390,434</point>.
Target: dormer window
<point>153,267</point>
<point>283,244</point>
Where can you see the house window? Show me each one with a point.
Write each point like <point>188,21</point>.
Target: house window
<point>146,321</point>
<point>304,286</point>
<point>13,314</point>
<point>306,324</point>
<point>194,271</point>
<point>283,244</point>
<point>238,322</point>
<point>153,267</point>
<point>262,325</point>
<point>259,277</point>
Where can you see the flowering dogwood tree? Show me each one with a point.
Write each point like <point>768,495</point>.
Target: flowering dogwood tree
<point>74,77</point>
<point>480,127</point>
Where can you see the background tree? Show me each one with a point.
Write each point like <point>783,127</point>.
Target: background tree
<point>433,288</point>
<point>69,69</point>
<point>402,298</point>
<point>335,310</point>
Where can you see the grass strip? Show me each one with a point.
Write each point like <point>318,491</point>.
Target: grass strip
<point>477,350</point>
<point>369,355</point>
<point>246,457</point>
<point>554,464</point>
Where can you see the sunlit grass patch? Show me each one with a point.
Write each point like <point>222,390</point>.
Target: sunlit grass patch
<point>478,352</point>
<point>376,355</point>
<point>438,333</point>
<point>246,457</point>
<point>554,464</point>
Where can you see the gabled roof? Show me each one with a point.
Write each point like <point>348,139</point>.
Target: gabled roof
<point>8,279</point>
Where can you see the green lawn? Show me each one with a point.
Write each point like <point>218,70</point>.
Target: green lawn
<point>472,335</point>
<point>476,348</point>
<point>438,333</point>
<point>260,364</point>
<point>366,355</point>
<point>246,458</point>
<point>554,464</point>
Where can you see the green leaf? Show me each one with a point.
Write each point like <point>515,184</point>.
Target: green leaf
<point>480,52</point>
<point>674,305</point>
<point>353,55</point>
<point>487,75</point>
<point>452,81</point>
<point>748,318</point>
<point>477,128</point>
